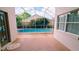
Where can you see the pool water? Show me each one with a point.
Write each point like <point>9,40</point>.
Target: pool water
<point>35,30</point>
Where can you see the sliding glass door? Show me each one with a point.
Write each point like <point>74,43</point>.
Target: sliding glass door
<point>73,23</point>
<point>4,29</point>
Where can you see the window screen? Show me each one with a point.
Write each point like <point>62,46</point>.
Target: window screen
<point>62,22</point>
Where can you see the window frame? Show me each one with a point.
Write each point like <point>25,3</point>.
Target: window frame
<point>65,26</point>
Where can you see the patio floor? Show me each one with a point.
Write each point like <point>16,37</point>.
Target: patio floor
<point>39,42</point>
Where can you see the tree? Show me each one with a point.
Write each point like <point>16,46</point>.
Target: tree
<point>18,20</point>
<point>42,21</point>
<point>24,15</point>
<point>39,23</point>
<point>21,17</point>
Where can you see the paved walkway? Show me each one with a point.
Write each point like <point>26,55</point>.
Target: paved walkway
<point>39,42</point>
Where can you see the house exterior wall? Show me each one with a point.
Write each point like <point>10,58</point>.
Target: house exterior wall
<point>68,39</point>
<point>12,20</point>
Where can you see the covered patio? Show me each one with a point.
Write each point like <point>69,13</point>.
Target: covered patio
<point>60,38</point>
<point>39,42</point>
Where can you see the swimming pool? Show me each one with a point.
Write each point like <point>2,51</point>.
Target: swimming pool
<point>35,30</point>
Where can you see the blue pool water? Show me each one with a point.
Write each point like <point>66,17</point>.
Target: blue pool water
<point>35,30</point>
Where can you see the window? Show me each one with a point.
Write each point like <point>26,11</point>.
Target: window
<point>62,22</point>
<point>69,22</point>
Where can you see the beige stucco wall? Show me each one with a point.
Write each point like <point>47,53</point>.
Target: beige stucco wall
<point>68,39</point>
<point>12,20</point>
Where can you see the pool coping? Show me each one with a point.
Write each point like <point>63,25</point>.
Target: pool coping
<point>25,33</point>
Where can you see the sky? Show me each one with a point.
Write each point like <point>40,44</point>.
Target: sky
<point>48,12</point>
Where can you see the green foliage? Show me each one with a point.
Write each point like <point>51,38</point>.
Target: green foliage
<point>21,17</point>
<point>42,21</point>
<point>38,23</point>
<point>18,20</point>
<point>24,15</point>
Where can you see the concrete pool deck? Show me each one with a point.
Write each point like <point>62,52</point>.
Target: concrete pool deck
<point>39,42</point>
